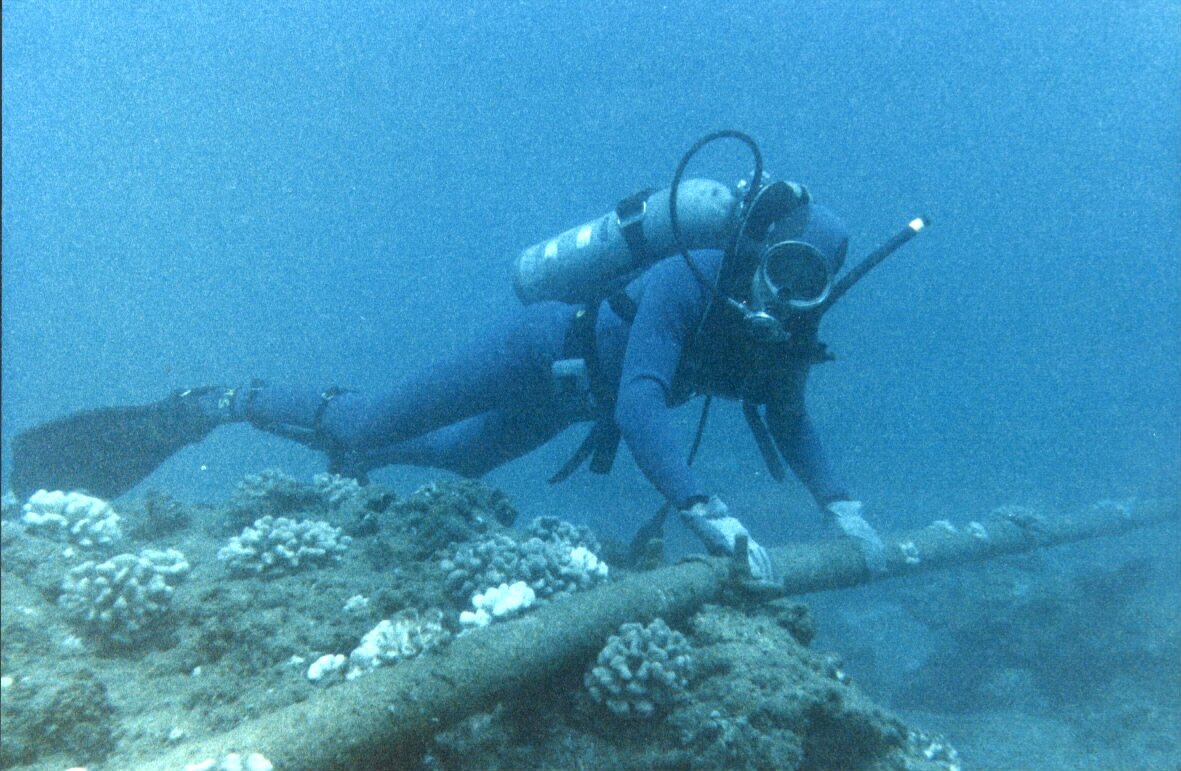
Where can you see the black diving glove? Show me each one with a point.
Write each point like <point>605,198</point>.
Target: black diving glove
<point>718,530</point>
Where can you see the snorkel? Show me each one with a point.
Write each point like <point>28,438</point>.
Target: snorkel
<point>871,261</point>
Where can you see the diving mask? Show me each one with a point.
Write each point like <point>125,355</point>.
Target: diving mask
<point>791,276</point>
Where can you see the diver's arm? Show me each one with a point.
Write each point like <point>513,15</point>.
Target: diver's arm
<point>800,445</point>
<point>666,319</point>
<point>798,441</point>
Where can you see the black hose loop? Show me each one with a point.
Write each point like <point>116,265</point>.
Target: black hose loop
<point>755,184</point>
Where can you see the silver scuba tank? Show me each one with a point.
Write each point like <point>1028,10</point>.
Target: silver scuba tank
<point>586,262</point>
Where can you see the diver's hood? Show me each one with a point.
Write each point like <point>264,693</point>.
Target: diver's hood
<point>817,226</point>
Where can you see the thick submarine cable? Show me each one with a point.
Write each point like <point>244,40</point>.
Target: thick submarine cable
<point>385,719</point>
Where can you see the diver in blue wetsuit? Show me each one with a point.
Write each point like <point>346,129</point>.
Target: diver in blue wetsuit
<point>642,351</point>
<point>621,324</point>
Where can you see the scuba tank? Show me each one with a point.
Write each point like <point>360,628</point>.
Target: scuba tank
<point>589,261</point>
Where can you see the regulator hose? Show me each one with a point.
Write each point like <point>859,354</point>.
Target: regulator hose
<point>755,184</point>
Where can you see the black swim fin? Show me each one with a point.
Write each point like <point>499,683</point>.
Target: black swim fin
<point>107,451</point>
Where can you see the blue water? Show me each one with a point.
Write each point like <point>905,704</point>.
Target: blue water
<point>330,193</point>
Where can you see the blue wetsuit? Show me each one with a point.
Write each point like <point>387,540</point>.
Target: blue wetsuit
<point>494,400</point>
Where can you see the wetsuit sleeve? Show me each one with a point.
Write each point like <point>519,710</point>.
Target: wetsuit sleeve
<point>798,441</point>
<point>667,316</point>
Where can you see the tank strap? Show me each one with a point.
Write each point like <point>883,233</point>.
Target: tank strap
<point>629,216</point>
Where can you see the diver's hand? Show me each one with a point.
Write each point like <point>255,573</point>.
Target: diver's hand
<point>718,530</point>
<point>844,517</point>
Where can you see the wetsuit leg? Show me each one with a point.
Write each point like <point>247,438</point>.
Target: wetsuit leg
<point>508,369</point>
<point>471,447</point>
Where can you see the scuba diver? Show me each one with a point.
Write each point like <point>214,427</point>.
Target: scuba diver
<point>696,290</point>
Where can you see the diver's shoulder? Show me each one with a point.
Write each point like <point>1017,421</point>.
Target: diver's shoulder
<point>708,261</point>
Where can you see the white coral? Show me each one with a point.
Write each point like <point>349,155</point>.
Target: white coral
<point>588,563</point>
<point>403,636</point>
<point>234,761</point>
<point>328,666</point>
<point>336,490</point>
<point>74,517</point>
<point>279,545</point>
<point>498,602</point>
<point>118,599</point>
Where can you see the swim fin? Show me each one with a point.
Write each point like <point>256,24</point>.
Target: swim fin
<point>107,451</point>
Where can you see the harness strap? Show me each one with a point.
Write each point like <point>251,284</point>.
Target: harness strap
<point>599,446</point>
<point>607,436</point>
<point>326,397</point>
<point>602,441</point>
<point>580,344</point>
<point>584,451</point>
<point>758,427</point>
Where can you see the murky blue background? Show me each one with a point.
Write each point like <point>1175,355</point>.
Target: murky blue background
<point>213,192</point>
<point>209,192</point>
